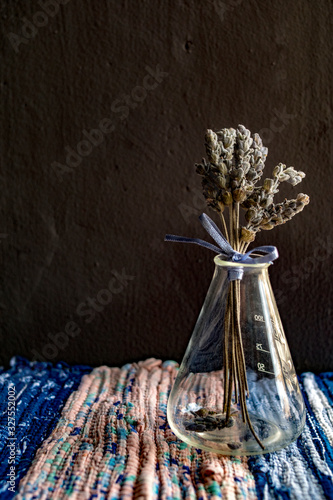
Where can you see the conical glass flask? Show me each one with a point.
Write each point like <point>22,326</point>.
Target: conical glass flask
<point>236,392</point>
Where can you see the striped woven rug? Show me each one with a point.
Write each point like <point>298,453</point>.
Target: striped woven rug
<point>84,433</point>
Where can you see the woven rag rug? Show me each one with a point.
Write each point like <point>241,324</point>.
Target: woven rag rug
<point>102,433</point>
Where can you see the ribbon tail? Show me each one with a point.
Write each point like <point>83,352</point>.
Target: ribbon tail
<point>216,234</point>
<point>196,241</point>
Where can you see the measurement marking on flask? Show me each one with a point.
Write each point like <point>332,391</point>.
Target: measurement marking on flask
<point>259,348</point>
<point>261,368</point>
<point>259,317</point>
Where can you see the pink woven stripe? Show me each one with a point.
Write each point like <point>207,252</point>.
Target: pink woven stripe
<point>112,441</point>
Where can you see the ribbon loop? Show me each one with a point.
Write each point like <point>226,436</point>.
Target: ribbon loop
<point>224,248</point>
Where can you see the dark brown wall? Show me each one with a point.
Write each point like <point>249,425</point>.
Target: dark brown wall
<point>66,231</point>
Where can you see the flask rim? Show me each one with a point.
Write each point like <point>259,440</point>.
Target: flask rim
<point>222,262</point>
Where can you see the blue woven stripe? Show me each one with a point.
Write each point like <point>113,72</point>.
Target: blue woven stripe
<point>43,389</point>
<point>325,383</point>
<point>317,432</point>
<point>260,468</point>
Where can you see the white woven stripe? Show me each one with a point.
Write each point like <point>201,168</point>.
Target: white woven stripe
<point>320,405</point>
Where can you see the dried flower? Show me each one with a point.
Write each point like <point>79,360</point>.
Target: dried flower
<point>247,235</point>
<point>276,214</point>
<point>235,165</point>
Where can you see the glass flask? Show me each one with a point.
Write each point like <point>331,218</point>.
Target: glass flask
<point>198,412</point>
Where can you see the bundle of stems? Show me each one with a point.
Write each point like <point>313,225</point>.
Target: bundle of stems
<point>235,165</point>
<point>234,368</point>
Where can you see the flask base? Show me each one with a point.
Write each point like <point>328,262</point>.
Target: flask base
<point>234,438</point>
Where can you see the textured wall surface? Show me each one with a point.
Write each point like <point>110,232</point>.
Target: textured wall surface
<point>85,212</point>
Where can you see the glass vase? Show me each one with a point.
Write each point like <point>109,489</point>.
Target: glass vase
<point>236,392</point>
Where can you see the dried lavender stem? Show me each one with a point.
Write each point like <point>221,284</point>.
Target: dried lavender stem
<point>234,366</point>
<point>231,369</point>
<point>224,226</point>
<point>231,225</point>
<point>249,423</point>
<point>234,222</point>
<point>235,371</point>
<point>242,246</point>
<point>240,341</point>
<point>228,410</point>
<point>239,353</point>
<point>231,287</point>
<point>245,247</point>
<point>241,393</point>
<point>237,227</point>
<point>226,353</point>
<point>233,338</point>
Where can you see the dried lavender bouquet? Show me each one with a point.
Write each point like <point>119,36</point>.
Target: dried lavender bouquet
<point>236,161</point>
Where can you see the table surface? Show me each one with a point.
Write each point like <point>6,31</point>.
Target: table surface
<point>84,433</point>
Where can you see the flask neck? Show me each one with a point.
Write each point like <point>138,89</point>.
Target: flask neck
<point>235,271</point>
